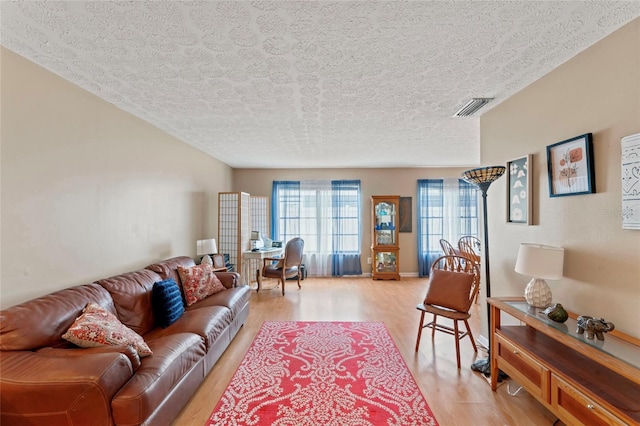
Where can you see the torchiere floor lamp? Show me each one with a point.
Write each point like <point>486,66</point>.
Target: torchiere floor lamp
<point>482,178</point>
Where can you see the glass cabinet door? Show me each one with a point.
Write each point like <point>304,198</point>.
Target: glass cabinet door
<point>385,224</point>
<point>385,261</point>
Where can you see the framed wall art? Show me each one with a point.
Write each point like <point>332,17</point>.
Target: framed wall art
<point>570,167</point>
<point>519,190</point>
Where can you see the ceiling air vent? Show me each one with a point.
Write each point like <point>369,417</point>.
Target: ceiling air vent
<point>472,106</point>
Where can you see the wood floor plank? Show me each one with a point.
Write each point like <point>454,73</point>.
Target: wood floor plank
<point>456,397</point>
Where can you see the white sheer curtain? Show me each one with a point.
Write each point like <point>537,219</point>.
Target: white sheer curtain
<point>317,231</point>
<point>451,229</point>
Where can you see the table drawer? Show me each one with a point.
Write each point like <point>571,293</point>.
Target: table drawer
<point>527,371</point>
<point>575,408</point>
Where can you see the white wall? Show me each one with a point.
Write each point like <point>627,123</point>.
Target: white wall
<point>596,92</point>
<point>88,190</point>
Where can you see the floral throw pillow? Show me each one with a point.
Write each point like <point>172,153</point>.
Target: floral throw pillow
<point>199,282</point>
<point>98,327</point>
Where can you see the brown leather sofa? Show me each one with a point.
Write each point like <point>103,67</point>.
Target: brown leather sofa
<point>47,380</point>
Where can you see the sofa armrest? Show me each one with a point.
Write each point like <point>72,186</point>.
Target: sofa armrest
<point>229,279</point>
<point>72,389</point>
<point>128,351</point>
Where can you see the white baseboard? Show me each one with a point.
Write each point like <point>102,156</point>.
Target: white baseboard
<point>482,341</point>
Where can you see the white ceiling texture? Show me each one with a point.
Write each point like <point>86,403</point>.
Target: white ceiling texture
<point>263,84</point>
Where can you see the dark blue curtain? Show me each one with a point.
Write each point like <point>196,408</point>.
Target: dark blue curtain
<point>346,240</point>
<point>430,217</point>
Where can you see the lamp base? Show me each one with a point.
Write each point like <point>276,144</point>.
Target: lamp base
<point>537,293</point>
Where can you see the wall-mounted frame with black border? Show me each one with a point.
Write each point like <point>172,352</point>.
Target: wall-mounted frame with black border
<point>570,167</point>
<point>520,190</point>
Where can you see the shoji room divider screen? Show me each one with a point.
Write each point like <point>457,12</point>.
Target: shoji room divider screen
<point>234,226</point>
<point>260,215</point>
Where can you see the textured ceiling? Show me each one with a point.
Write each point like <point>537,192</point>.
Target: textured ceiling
<point>310,83</point>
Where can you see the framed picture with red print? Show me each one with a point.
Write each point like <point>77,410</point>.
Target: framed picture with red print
<point>570,167</point>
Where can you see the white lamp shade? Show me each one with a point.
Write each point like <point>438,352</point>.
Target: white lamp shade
<point>207,247</point>
<point>540,261</point>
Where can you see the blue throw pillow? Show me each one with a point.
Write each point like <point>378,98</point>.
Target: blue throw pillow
<point>167,302</point>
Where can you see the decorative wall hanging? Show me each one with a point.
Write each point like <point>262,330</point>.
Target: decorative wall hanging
<point>519,190</point>
<point>630,174</point>
<point>406,218</point>
<point>570,166</point>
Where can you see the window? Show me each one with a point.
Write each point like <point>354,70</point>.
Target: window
<point>447,208</point>
<point>326,215</point>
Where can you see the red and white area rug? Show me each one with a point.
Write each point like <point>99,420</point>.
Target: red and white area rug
<point>322,373</point>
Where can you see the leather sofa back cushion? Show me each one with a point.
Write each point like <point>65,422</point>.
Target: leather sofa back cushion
<point>131,293</point>
<point>169,268</point>
<point>42,322</point>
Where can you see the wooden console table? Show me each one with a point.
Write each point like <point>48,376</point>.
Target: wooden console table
<point>582,381</point>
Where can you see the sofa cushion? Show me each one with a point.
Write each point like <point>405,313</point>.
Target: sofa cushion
<point>234,298</point>
<point>208,323</point>
<point>167,302</point>
<point>97,327</point>
<point>175,356</point>
<point>169,269</point>
<point>449,289</point>
<point>199,282</point>
<point>131,293</point>
<point>41,322</point>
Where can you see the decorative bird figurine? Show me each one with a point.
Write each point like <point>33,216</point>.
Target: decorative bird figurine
<point>556,313</point>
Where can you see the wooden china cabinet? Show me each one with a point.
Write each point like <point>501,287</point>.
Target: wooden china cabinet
<point>385,252</point>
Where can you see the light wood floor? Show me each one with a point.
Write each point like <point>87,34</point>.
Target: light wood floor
<point>456,397</point>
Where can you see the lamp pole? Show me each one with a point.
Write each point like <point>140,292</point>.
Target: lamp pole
<point>483,178</point>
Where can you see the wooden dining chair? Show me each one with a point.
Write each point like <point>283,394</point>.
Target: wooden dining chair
<point>473,241</point>
<point>447,248</point>
<point>466,250</point>
<point>453,284</point>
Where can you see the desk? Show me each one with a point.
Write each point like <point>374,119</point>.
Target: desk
<point>249,256</point>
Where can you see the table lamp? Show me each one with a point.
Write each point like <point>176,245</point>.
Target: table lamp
<point>542,263</point>
<point>206,247</point>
